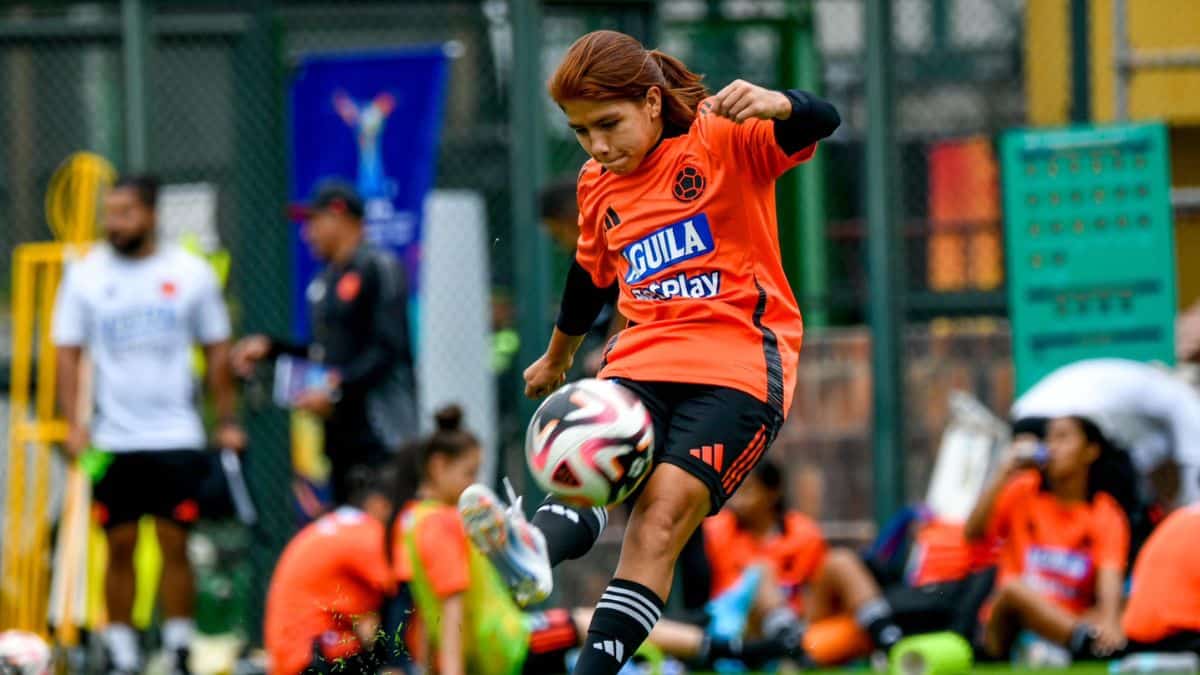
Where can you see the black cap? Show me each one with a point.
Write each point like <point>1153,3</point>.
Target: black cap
<point>329,194</point>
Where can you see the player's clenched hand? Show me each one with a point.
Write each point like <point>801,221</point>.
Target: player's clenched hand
<point>544,376</point>
<point>247,352</point>
<point>742,100</point>
<point>78,438</point>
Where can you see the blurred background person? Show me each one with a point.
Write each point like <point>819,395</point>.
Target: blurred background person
<point>1141,408</point>
<point>359,310</point>
<point>1187,338</point>
<point>1163,610</point>
<point>330,586</point>
<point>137,307</point>
<point>1064,534</point>
<point>756,534</point>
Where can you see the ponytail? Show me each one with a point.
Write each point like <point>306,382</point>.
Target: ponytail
<point>683,93</point>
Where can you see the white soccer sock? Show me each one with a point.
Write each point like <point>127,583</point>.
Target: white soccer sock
<point>122,644</point>
<point>177,633</point>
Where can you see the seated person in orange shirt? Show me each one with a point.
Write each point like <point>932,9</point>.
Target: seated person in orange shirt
<point>796,575</point>
<point>1163,612</point>
<point>331,581</point>
<point>756,531</point>
<point>1064,540</point>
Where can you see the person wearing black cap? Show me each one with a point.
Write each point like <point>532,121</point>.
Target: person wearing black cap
<point>359,313</point>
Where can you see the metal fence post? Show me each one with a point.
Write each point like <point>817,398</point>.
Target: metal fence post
<point>885,261</point>
<point>527,157</point>
<point>1081,98</point>
<point>135,39</point>
<point>261,277</point>
<point>813,255</point>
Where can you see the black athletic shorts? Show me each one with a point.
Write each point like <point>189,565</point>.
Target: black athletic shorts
<point>945,606</point>
<point>1183,641</point>
<point>716,434</point>
<point>176,485</point>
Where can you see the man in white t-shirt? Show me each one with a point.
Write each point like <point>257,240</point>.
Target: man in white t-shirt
<point>138,308</point>
<point>1139,407</point>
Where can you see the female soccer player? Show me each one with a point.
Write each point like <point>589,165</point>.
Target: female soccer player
<point>1065,539</point>
<point>471,623</point>
<point>677,210</point>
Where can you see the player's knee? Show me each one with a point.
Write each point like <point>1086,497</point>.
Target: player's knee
<point>1011,593</point>
<point>663,525</point>
<point>841,562</point>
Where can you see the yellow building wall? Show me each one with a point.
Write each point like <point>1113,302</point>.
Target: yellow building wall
<point>1168,95</point>
<point>1047,62</point>
<point>1172,95</point>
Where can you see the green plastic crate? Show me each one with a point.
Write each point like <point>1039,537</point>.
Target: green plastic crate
<point>1090,243</point>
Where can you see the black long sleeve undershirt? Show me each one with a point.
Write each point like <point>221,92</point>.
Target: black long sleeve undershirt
<point>812,119</point>
<point>582,301</point>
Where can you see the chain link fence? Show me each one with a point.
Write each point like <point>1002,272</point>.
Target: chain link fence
<point>216,76</point>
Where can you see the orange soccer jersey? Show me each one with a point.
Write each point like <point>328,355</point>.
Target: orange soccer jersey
<point>941,553</point>
<point>1165,598</point>
<point>1054,546</point>
<point>333,572</point>
<point>691,238</point>
<point>793,556</point>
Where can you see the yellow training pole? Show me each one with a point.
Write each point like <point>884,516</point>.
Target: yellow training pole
<point>50,274</point>
<point>14,558</point>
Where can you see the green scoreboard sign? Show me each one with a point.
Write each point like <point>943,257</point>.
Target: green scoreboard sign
<point>1091,253</point>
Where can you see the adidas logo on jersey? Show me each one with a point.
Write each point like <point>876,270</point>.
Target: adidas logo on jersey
<point>611,219</point>
<point>614,648</point>
<point>704,285</point>
<point>668,246</point>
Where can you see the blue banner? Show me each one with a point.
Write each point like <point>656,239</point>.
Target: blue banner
<point>373,120</point>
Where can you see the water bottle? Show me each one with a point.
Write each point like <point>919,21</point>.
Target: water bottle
<point>1174,663</point>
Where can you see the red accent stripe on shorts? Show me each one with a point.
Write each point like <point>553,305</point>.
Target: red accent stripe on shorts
<point>746,460</point>
<point>746,468</point>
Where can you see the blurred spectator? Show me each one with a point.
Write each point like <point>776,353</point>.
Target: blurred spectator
<point>137,307</point>
<point>560,215</point>
<point>359,310</point>
<point>777,560</point>
<point>1139,408</point>
<point>1187,335</point>
<point>1064,533</point>
<point>330,586</point>
<point>1163,612</point>
<point>756,529</point>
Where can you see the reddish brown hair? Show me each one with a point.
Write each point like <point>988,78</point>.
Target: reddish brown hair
<point>605,65</point>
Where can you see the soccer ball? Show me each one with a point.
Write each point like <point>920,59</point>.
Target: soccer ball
<point>23,653</point>
<point>590,443</point>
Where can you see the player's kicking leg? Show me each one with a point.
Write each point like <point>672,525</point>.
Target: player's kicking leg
<point>523,552</point>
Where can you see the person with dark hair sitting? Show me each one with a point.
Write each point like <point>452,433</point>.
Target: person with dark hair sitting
<point>756,534</point>
<point>332,581</point>
<point>1065,540</point>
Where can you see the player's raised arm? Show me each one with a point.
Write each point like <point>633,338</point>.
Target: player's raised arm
<point>773,131</point>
